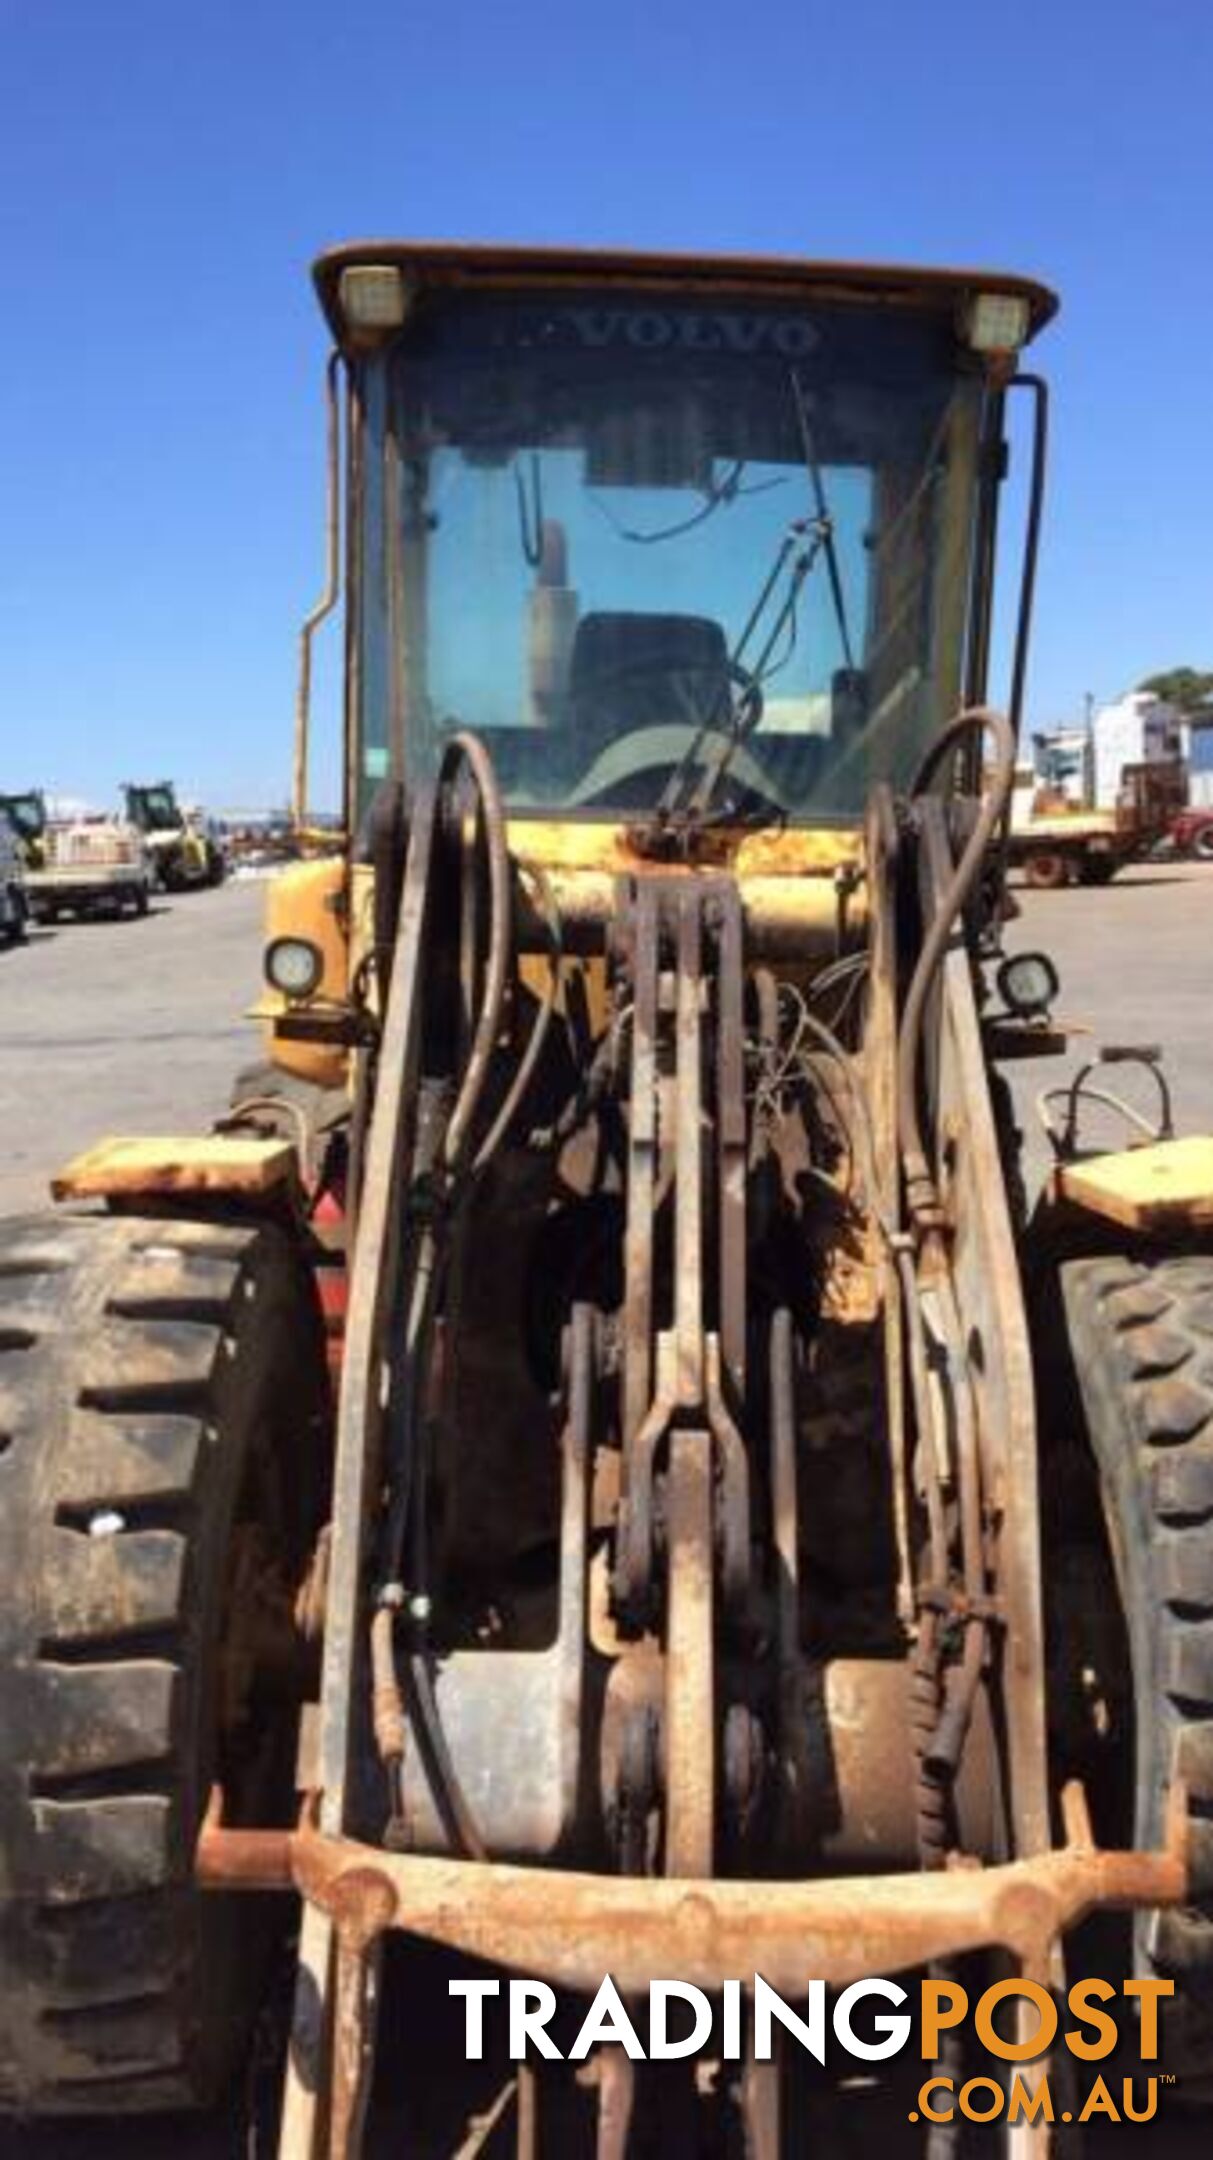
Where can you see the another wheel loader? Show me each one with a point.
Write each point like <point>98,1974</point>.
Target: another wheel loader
<point>182,845</point>
<point>556,1487</point>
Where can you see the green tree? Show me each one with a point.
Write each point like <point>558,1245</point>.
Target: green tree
<point>1186,687</point>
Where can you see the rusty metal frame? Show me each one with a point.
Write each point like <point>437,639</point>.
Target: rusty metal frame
<point>731,1142</point>
<point>644,1145</point>
<point>997,1351</point>
<point>690,1681</point>
<point>570,1928</point>
<point>680,1378</point>
<point>358,1447</point>
<point>361,1409</point>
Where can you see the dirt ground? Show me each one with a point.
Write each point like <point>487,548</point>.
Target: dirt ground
<point>137,1026</point>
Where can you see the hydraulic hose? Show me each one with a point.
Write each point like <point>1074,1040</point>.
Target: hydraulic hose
<point>863,1134</point>
<point>443,1159</point>
<point>922,1199</point>
<point>453,1163</point>
<point>529,1060</point>
<point>471,750</point>
<point>387,1703</point>
<point>943,1754</point>
<point>864,1143</point>
<point>443,1777</point>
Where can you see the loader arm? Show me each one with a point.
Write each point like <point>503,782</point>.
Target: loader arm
<point>717,1757</point>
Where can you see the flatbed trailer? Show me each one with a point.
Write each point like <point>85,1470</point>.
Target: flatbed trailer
<point>1072,847</point>
<point>87,890</point>
<point>1055,842</point>
<point>89,867</point>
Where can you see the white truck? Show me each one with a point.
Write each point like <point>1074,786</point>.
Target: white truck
<point>82,863</point>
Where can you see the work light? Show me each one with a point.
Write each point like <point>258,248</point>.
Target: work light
<point>1027,984</point>
<point>372,297</point>
<point>997,322</point>
<point>294,966</point>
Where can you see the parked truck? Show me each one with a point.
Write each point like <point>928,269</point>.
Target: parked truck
<point>79,862</point>
<point>1059,836</point>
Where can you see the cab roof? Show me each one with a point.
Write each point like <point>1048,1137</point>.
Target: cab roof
<point>456,264</point>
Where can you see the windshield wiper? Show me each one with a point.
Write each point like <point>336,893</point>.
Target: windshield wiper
<point>750,708</point>
<point>825,522</point>
<point>670,805</point>
<point>673,808</point>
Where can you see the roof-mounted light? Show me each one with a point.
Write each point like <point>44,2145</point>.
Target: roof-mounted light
<point>374,298</point>
<point>998,322</point>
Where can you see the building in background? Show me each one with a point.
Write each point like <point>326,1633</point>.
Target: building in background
<point>1138,729</point>
<point>1198,751</point>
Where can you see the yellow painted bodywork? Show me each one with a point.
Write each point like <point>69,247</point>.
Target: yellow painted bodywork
<point>216,1163</point>
<point>1167,1185</point>
<point>790,881</point>
<point>362,923</point>
<point>308,900</point>
<point>574,845</point>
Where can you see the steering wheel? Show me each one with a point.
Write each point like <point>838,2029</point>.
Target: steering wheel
<point>613,775</point>
<point>751,703</point>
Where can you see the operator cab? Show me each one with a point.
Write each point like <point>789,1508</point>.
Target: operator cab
<point>153,809</point>
<point>672,538</point>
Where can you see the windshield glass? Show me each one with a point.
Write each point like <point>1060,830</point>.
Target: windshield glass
<point>655,548</point>
<point>154,808</point>
<point>25,815</point>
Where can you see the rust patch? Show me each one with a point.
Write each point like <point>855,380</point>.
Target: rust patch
<point>570,1927</point>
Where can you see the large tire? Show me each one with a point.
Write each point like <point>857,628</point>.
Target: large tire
<point>1202,843</point>
<point>1097,870</point>
<point>1141,1337</point>
<point>162,1450</point>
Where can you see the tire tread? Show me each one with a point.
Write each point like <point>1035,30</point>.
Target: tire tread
<point>1140,1336</point>
<point>111,1393</point>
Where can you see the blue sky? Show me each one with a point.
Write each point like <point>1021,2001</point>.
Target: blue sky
<point>169,167</point>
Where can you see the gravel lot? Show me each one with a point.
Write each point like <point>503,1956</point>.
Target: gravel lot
<point>136,1026</point>
<point>130,1026</point>
<point>1136,966</point>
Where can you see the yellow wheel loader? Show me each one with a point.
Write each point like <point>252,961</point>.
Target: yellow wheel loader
<point>181,844</point>
<point>593,1482</point>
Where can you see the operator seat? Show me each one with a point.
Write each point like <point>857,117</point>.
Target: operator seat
<point>633,670</point>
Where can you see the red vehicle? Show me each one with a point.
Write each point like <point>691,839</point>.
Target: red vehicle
<point>1192,832</point>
